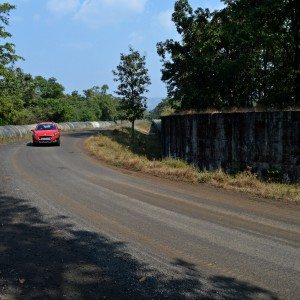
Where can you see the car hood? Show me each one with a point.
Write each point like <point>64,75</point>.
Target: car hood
<point>45,132</point>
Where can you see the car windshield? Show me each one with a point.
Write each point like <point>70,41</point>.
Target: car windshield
<point>45,127</point>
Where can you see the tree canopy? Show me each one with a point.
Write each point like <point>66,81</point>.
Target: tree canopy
<point>133,79</point>
<point>244,55</point>
<point>25,99</point>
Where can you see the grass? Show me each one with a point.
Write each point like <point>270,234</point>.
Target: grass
<point>143,126</point>
<point>114,147</point>
<point>10,139</point>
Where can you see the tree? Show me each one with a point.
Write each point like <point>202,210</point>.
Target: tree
<point>10,104</point>
<point>133,79</point>
<point>103,104</point>
<point>7,50</point>
<point>163,108</point>
<point>293,8</point>
<point>48,88</point>
<point>19,84</point>
<point>104,89</point>
<point>244,55</point>
<point>16,96</point>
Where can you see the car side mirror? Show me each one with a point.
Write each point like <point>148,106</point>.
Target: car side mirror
<point>59,129</point>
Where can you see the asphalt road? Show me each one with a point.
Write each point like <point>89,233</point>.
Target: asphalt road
<point>73,228</point>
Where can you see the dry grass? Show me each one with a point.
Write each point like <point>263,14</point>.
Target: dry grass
<point>248,182</point>
<point>143,126</point>
<point>6,140</point>
<point>114,153</point>
<point>115,148</point>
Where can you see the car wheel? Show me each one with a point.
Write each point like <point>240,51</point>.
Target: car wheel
<point>58,143</point>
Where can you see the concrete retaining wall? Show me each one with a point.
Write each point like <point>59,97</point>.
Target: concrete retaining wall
<point>266,142</point>
<point>22,130</point>
<point>155,126</point>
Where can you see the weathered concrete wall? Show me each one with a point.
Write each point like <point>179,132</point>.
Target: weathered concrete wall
<point>22,130</point>
<point>263,141</point>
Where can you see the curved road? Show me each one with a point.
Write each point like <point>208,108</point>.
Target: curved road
<point>73,228</point>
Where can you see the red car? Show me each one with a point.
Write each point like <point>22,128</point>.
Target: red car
<point>46,133</point>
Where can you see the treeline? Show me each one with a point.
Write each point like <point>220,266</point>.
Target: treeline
<point>244,55</point>
<point>25,99</point>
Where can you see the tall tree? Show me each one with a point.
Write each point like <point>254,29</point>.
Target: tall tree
<point>10,103</point>
<point>7,49</point>
<point>244,55</point>
<point>133,79</point>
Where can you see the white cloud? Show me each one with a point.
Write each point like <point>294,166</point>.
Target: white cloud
<point>62,7</point>
<point>105,12</point>
<point>165,19</point>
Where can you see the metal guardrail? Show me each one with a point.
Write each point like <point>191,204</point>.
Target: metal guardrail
<point>22,130</point>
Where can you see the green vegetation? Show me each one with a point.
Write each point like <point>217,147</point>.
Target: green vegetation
<point>115,148</point>
<point>245,55</point>
<point>25,100</point>
<point>165,108</point>
<point>133,79</point>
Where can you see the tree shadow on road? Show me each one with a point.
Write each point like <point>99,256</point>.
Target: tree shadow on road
<point>53,260</point>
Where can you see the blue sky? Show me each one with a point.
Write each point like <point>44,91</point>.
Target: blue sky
<point>79,41</point>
